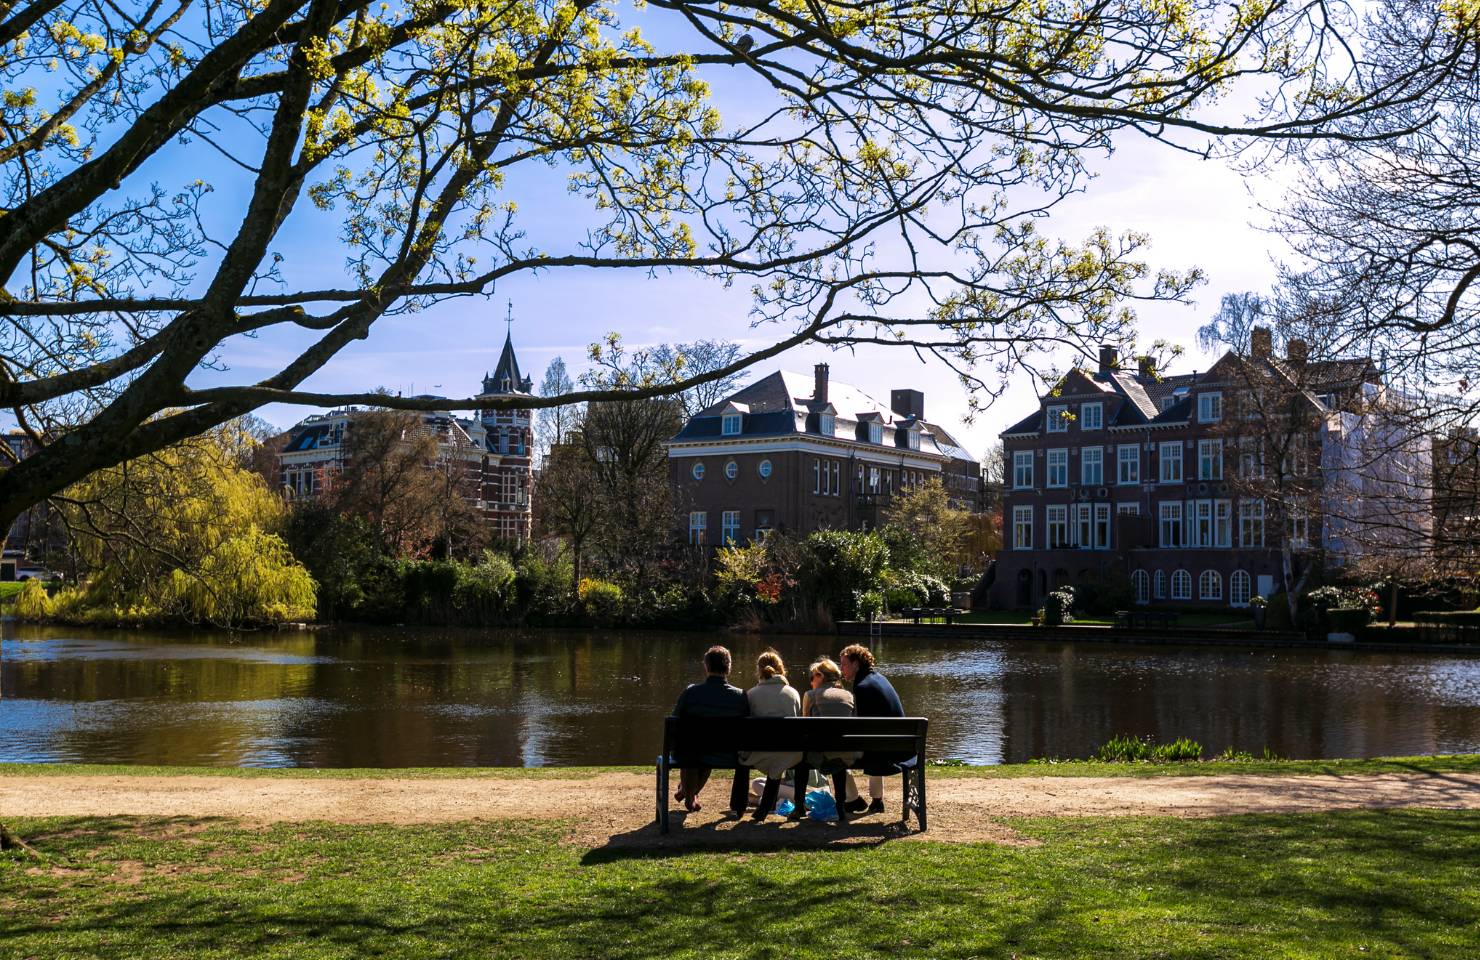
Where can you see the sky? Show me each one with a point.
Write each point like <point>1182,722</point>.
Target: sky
<point>1198,213</point>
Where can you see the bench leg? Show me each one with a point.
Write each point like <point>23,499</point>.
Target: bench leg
<point>662,794</point>
<point>920,796</point>
<point>904,808</point>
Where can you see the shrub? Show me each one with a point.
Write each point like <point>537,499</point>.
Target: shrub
<point>484,591</point>
<point>869,604</point>
<point>600,599</point>
<point>542,584</point>
<point>1058,607</point>
<point>838,564</point>
<point>32,603</point>
<point>248,579</point>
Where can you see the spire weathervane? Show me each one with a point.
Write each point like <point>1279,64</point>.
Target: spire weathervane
<point>510,320</point>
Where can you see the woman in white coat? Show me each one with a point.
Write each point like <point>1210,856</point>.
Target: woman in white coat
<point>772,696</point>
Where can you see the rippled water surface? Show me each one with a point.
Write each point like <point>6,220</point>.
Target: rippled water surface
<point>395,698</point>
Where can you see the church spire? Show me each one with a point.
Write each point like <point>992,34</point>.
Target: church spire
<point>507,377</point>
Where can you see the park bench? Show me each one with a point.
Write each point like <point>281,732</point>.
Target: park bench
<point>711,736</point>
<point>920,614</point>
<point>1145,619</point>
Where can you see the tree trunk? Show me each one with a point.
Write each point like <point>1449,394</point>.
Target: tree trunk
<point>1392,601</point>
<point>9,841</point>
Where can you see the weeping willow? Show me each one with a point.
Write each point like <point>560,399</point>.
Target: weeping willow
<point>184,534</point>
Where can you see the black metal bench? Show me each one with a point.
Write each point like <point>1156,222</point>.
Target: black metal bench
<point>700,736</point>
<point>919,614</point>
<point>1145,619</point>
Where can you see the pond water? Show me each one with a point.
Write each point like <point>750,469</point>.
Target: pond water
<point>403,698</point>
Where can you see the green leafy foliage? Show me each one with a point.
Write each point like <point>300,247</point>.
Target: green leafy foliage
<point>1126,749</point>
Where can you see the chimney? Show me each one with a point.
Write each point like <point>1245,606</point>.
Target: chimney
<point>1147,367</point>
<point>907,403</point>
<point>1261,343</point>
<point>1299,351</point>
<point>819,390</point>
<point>1109,359</point>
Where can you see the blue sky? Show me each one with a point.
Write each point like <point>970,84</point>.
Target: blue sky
<point>1197,212</point>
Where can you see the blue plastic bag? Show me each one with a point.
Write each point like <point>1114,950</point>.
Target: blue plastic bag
<point>785,807</point>
<point>821,805</point>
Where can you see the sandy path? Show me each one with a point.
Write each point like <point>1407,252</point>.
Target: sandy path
<point>616,808</point>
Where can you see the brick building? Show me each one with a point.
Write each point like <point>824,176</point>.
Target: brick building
<point>492,452</point>
<point>1192,486</point>
<point>800,454</point>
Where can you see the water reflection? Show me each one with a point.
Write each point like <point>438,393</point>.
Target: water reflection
<point>394,698</point>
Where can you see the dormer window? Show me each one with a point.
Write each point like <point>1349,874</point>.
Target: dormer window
<point>912,437</point>
<point>875,433</point>
<point>1091,416</point>
<point>827,424</point>
<point>730,425</point>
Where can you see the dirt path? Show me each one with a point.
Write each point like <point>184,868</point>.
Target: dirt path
<point>617,808</point>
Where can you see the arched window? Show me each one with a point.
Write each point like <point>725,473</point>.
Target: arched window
<point>1160,590</point>
<point>732,470</point>
<point>1239,589</point>
<point>1142,585</point>
<point>1210,585</point>
<point>1181,585</point>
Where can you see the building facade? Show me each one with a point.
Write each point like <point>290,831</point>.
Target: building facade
<point>795,454</point>
<point>1201,489</point>
<point>491,454</point>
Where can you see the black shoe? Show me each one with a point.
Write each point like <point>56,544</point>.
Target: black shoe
<point>856,805</point>
<point>877,806</point>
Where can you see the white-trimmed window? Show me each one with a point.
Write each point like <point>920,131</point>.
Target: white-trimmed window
<point>732,470</point>
<point>1057,420</point>
<point>875,432</point>
<point>1210,459</point>
<point>1251,523</point>
<point>730,424</point>
<point>1057,516</point>
<point>698,527</point>
<point>1171,462</point>
<point>698,470</point>
<point>1299,528</point>
<point>1128,509</point>
<point>1092,466</point>
<point>764,469</point>
<point>1141,584</point>
<point>1209,407</point>
<point>1058,468</point>
<point>1222,523</point>
<point>1171,523</point>
<point>817,475</point>
<point>1128,463</point>
<point>827,424</point>
<point>1022,469</point>
<point>1022,528</point>
<point>1102,526</point>
<point>873,480</point>
<point>1091,416</point>
<point>1181,585</point>
<point>1084,526</point>
<point>1202,523</point>
<point>912,437</point>
<point>1251,458</point>
<point>1159,585</point>
<point>1210,585</point>
<point>730,527</point>
<point>1239,589</point>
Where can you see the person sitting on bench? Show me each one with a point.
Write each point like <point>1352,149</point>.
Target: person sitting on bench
<point>772,696</point>
<point>873,696</point>
<point>829,698</point>
<point>713,697</point>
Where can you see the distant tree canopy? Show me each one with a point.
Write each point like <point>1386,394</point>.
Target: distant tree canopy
<point>884,182</point>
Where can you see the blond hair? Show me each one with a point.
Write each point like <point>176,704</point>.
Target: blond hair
<point>829,670</point>
<point>858,653</point>
<point>769,664</point>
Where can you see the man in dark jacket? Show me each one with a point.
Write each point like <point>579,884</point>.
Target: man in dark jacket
<point>713,697</point>
<point>873,696</point>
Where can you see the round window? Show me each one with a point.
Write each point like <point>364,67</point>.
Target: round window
<point>732,470</point>
<point>698,471</point>
<point>764,469</point>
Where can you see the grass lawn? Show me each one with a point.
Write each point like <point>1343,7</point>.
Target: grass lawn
<point>1448,763</point>
<point>1368,884</point>
<point>1192,618</point>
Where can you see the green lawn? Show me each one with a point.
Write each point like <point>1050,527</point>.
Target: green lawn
<point>1369,884</point>
<point>1191,618</point>
<point>1450,763</point>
